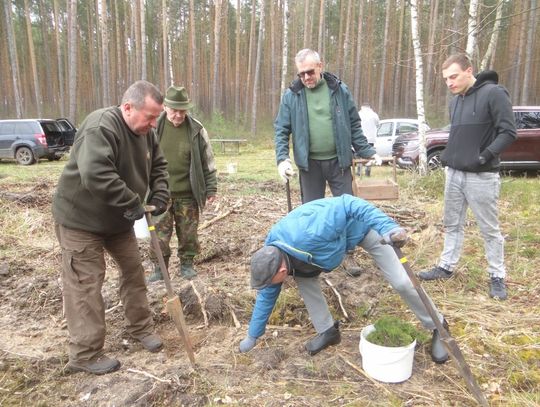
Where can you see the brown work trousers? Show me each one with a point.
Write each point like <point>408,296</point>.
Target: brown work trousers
<point>83,272</point>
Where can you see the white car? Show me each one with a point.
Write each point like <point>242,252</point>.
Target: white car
<point>388,130</point>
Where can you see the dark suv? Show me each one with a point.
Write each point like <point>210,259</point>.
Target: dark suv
<point>523,154</point>
<point>28,140</point>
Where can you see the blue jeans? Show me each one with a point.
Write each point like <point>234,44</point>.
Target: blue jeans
<point>479,191</point>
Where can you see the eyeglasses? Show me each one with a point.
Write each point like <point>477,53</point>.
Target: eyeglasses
<point>310,72</point>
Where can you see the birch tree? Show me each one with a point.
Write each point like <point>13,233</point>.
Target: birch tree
<point>422,167</point>
<point>472,31</point>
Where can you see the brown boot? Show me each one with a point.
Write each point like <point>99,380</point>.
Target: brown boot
<point>100,365</point>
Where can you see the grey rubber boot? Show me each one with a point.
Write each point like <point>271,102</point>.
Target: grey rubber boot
<point>439,354</point>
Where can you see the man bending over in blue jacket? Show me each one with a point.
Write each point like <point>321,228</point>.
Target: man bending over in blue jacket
<point>313,239</point>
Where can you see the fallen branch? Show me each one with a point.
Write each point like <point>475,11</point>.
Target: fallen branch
<point>219,217</point>
<point>149,375</point>
<point>201,303</point>
<point>236,321</point>
<point>338,297</point>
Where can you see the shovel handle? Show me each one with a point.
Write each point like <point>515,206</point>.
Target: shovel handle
<point>288,189</point>
<point>157,250</point>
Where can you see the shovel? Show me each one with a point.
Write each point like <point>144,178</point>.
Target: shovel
<point>288,189</point>
<point>447,340</point>
<point>174,306</point>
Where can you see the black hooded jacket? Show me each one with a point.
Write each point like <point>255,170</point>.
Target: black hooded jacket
<point>482,124</point>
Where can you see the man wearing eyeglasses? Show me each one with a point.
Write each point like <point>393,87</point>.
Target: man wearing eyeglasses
<point>319,112</point>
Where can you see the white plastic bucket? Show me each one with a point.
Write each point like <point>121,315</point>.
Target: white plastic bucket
<point>141,228</point>
<point>386,364</point>
<point>232,168</point>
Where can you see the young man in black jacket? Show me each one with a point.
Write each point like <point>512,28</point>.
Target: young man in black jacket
<point>482,126</point>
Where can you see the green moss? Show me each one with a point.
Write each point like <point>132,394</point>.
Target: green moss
<point>525,380</point>
<point>391,331</point>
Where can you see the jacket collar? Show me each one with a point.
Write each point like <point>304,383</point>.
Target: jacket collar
<point>332,81</point>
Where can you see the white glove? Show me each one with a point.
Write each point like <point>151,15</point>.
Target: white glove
<point>376,159</point>
<point>285,170</point>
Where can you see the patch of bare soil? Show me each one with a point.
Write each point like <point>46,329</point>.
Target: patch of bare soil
<point>217,305</point>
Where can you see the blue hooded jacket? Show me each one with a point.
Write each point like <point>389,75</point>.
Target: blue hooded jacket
<point>319,232</point>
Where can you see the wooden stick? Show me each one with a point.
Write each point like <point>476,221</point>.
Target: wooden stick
<point>219,217</point>
<point>338,296</point>
<point>203,310</point>
<point>236,322</point>
<point>149,375</point>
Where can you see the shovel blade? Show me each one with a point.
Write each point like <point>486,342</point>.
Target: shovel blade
<point>174,308</point>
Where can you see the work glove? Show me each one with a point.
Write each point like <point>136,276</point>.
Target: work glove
<point>247,344</point>
<point>375,160</point>
<point>396,237</point>
<point>285,170</point>
<point>134,213</point>
<point>160,206</point>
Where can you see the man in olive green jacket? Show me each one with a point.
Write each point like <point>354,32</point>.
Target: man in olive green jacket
<point>192,183</point>
<point>114,165</point>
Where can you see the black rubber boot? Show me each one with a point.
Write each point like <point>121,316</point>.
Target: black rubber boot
<point>329,337</point>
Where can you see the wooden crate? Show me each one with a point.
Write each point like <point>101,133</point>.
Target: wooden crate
<point>375,189</point>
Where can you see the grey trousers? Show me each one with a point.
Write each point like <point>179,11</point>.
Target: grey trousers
<point>83,273</point>
<point>313,182</point>
<point>393,271</point>
<point>480,192</point>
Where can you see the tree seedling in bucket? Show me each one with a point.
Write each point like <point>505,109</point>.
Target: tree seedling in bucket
<point>394,332</point>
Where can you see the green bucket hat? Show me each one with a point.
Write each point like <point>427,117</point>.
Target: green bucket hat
<point>177,98</point>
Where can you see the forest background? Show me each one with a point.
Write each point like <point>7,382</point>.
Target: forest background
<point>67,57</point>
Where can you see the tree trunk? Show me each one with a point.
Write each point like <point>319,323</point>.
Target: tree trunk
<point>31,52</point>
<point>285,47</point>
<point>320,37</point>
<point>143,41</point>
<point>250,55</point>
<point>72,59</point>
<point>487,60</point>
<point>193,56</point>
<point>13,60</point>
<point>347,40</point>
<point>472,29</point>
<point>59,59</point>
<point>165,45</point>
<point>358,59</point>
<point>529,47</point>
<point>237,87</point>
<point>389,7</point>
<point>419,86</point>
<point>257,74</point>
<point>216,97</point>
<point>398,67</point>
<point>105,73</point>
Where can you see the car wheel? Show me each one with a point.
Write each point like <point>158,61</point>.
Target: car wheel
<point>24,156</point>
<point>434,160</point>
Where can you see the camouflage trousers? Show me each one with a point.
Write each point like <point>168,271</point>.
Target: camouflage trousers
<point>183,215</point>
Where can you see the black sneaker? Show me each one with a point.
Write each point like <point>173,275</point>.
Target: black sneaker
<point>436,273</point>
<point>497,288</point>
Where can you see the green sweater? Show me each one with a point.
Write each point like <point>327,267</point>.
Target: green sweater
<point>322,145</point>
<point>110,169</point>
<point>176,147</point>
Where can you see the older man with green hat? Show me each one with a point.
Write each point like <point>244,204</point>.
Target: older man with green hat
<point>192,180</point>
